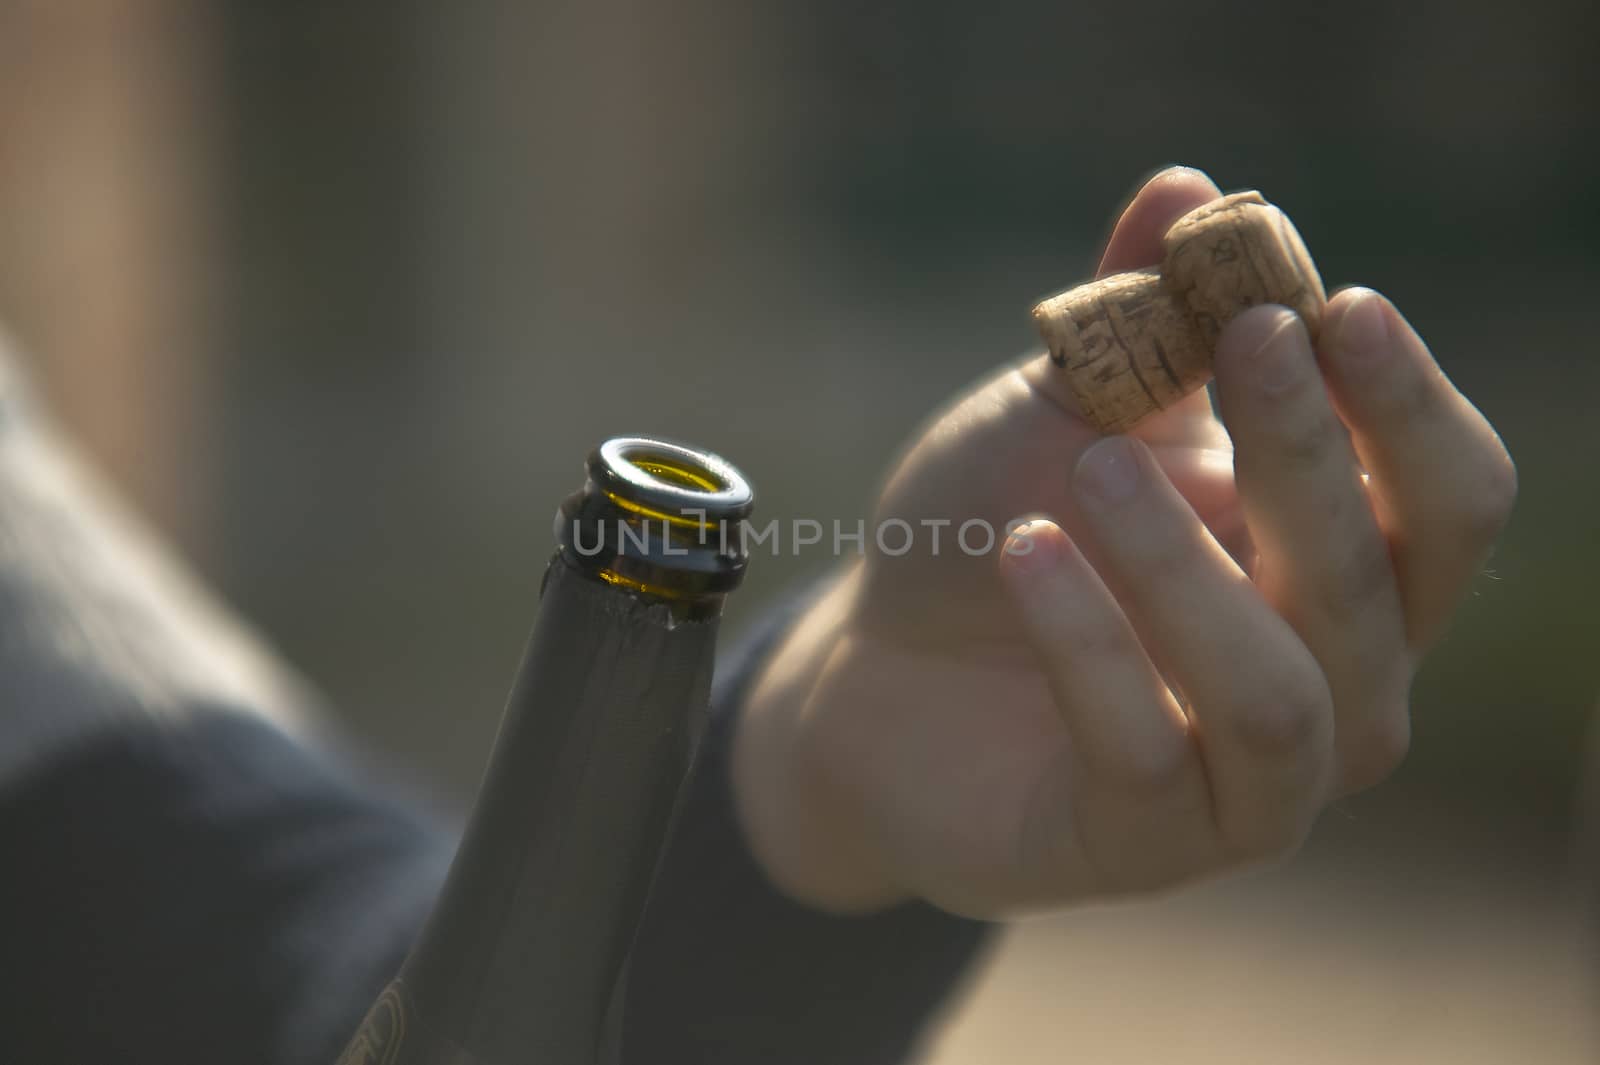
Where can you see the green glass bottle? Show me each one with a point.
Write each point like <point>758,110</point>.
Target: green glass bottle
<point>523,958</point>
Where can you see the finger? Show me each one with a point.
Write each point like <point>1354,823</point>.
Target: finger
<point>1124,722</point>
<point>1324,563</point>
<point>1135,243</point>
<point>1204,477</point>
<point>1135,240</point>
<point>1443,482</point>
<point>1259,705</point>
<point>1136,812</point>
<point>1190,421</point>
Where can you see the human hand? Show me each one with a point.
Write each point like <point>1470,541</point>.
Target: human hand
<point>1198,646</point>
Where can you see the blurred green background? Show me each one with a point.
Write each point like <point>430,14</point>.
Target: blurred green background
<point>342,295</point>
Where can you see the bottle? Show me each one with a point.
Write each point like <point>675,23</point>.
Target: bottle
<point>523,957</point>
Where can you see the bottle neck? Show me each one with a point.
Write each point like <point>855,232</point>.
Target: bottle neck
<point>521,955</point>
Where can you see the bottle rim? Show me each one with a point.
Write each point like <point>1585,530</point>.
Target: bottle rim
<point>679,482</point>
<point>661,520</point>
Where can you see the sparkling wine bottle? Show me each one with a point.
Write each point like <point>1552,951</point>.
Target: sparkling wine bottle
<point>524,956</point>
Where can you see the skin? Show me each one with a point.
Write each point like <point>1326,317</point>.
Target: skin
<point>1208,634</point>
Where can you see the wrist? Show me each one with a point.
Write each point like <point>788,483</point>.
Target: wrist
<point>799,819</point>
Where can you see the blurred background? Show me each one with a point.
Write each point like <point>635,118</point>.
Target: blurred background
<point>340,295</point>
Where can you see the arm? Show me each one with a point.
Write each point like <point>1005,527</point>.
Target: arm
<point>193,877</point>
<point>186,877</point>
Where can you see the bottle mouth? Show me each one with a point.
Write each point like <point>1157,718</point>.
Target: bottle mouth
<point>661,479</point>
<point>659,519</point>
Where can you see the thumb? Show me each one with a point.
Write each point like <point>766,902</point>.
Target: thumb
<point>1135,244</point>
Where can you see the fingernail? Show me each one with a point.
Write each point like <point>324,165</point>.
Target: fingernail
<point>1109,471</point>
<point>1032,548</point>
<point>1168,173</point>
<point>1277,353</point>
<point>1362,335</point>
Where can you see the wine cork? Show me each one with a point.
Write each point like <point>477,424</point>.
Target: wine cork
<point>1131,344</point>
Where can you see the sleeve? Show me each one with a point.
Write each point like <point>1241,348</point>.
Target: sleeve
<point>184,877</point>
<point>210,890</point>
<point>188,876</point>
<point>729,971</point>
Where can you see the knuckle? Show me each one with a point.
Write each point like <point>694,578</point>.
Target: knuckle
<point>1409,395</point>
<point>1264,839</point>
<point>1283,719</point>
<point>1158,562</point>
<point>1486,504</point>
<point>1373,746</point>
<point>1361,575</point>
<point>1073,640</point>
<point>1303,440</point>
<point>1375,752</point>
<point>1147,771</point>
<point>1084,639</point>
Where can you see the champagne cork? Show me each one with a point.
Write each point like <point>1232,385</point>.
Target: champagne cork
<point>1131,344</point>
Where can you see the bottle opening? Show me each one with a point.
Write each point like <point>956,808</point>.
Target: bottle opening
<point>655,476</point>
<point>674,472</point>
<point>659,519</point>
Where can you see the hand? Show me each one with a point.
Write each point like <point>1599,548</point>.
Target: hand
<point>1196,648</point>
